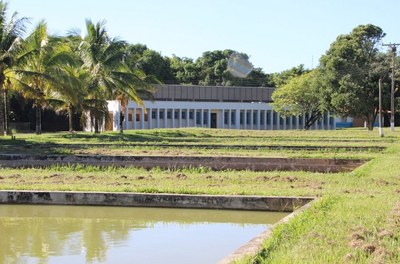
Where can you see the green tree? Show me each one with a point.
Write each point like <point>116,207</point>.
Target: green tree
<point>351,67</point>
<point>185,70</point>
<point>71,93</point>
<point>151,63</point>
<point>109,76</point>
<point>301,95</point>
<point>10,39</point>
<point>35,59</point>
<point>282,78</point>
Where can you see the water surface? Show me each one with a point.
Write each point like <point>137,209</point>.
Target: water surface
<point>84,234</point>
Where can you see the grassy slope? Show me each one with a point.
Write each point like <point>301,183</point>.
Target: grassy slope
<point>355,220</point>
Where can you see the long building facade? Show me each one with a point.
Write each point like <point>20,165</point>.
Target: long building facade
<point>176,106</point>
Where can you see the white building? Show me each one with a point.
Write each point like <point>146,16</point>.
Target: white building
<point>175,106</point>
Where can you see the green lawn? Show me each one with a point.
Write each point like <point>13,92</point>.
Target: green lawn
<point>356,218</point>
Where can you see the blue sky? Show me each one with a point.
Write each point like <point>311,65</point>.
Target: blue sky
<point>276,34</point>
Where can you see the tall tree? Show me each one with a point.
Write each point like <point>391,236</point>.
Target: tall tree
<point>351,68</point>
<point>150,62</point>
<point>281,78</point>
<point>301,95</point>
<point>38,60</point>
<point>34,62</point>
<point>109,76</point>
<point>10,39</point>
<point>185,70</point>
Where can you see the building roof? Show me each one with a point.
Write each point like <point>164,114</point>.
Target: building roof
<point>170,92</point>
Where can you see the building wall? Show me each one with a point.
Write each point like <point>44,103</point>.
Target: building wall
<point>227,115</point>
<point>175,106</point>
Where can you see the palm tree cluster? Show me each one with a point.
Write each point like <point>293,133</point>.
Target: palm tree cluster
<point>74,73</point>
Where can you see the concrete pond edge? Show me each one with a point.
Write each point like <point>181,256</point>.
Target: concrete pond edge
<point>176,162</point>
<point>295,205</point>
<point>255,245</point>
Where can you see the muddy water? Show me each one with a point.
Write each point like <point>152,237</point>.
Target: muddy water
<point>79,234</point>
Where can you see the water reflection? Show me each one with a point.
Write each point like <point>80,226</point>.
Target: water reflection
<point>76,234</point>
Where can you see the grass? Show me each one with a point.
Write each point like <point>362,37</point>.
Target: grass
<point>356,218</point>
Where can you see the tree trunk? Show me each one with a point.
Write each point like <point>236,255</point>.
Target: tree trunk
<point>96,125</point>
<point>2,119</point>
<point>121,122</point>
<point>70,118</point>
<point>6,123</point>
<point>310,120</point>
<point>38,119</point>
<point>370,122</point>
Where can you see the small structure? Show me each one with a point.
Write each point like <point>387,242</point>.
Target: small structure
<point>176,106</point>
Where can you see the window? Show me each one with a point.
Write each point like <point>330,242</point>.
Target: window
<point>198,118</point>
<point>233,117</point>
<point>262,117</point>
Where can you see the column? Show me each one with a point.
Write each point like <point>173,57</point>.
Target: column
<point>230,118</point>
<point>195,117</point>
<point>328,116</point>
<point>142,118</point>
<point>150,118</point>
<point>297,122</point>
<point>209,118</point>
<point>187,117</point>
<point>223,119</point>
<point>265,119</point>
<point>258,119</point>
<point>202,118</point>
<point>271,120</point>
<point>237,118</point>
<point>134,117</point>
<point>278,121</point>
<point>251,119</point>
<point>245,119</point>
<point>284,122</point>
<point>165,118</point>
<point>304,120</point>
<point>173,118</point>
<point>180,117</point>
<point>158,118</point>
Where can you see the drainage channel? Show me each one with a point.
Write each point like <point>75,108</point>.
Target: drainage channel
<point>175,162</point>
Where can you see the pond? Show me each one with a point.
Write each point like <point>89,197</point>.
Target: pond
<point>99,234</point>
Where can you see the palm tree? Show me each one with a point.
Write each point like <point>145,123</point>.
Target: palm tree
<point>45,71</point>
<point>34,61</point>
<point>10,39</point>
<point>109,76</point>
<point>70,90</point>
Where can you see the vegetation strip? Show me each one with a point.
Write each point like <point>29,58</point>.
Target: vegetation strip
<point>214,163</point>
<point>213,146</point>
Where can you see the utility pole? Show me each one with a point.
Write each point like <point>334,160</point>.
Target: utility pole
<point>393,48</point>
<point>380,108</point>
